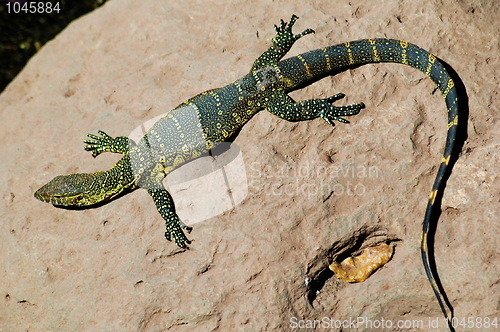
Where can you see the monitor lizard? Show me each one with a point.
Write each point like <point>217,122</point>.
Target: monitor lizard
<point>202,122</point>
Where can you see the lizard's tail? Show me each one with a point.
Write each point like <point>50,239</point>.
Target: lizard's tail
<point>321,62</point>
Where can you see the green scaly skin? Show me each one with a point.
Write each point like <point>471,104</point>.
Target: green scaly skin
<point>200,123</point>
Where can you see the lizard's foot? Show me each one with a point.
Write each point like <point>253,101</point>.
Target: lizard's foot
<point>106,143</point>
<point>332,113</point>
<point>284,37</point>
<point>174,230</point>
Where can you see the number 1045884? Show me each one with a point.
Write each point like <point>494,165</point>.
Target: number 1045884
<point>32,7</point>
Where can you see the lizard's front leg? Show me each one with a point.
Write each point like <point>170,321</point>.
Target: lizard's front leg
<point>106,143</point>
<point>165,205</point>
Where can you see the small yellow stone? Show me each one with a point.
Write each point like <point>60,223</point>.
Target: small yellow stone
<point>359,268</point>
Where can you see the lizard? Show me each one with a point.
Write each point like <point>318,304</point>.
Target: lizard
<point>202,122</point>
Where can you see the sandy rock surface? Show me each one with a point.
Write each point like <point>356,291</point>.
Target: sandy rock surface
<point>311,187</point>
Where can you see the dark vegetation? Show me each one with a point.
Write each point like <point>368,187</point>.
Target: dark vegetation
<point>23,34</point>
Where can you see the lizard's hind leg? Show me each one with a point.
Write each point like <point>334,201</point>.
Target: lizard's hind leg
<point>283,106</point>
<point>281,44</point>
<point>330,113</point>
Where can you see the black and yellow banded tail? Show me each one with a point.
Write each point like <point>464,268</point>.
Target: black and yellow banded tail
<point>313,65</point>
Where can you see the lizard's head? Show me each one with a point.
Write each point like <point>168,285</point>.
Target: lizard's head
<point>84,189</point>
<point>76,190</point>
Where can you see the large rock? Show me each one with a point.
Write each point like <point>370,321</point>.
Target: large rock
<point>311,187</point>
